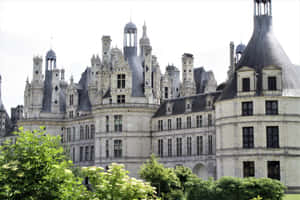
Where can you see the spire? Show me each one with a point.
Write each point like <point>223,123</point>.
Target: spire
<point>144,30</point>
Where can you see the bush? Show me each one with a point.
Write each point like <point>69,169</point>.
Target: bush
<point>115,184</point>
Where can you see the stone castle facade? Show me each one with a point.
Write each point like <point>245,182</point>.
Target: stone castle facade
<point>123,108</point>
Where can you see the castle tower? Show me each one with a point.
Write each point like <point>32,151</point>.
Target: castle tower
<point>130,40</point>
<point>188,85</point>
<point>37,86</point>
<point>148,73</point>
<point>232,60</point>
<point>144,41</point>
<point>106,42</point>
<point>55,101</point>
<point>37,75</point>
<point>50,65</point>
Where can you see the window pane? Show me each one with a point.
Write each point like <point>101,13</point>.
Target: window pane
<point>246,84</point>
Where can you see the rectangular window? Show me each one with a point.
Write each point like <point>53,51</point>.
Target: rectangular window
<point>199,145</point>
<point>71,99</point>
<point>74,134</point>
<point>271,107</point>
<point>92,153</point>
<point>118,123</point>
<point>272,85</point>
<point>107,148</point>
<point>274,170</point>
<point>248,139</point>
<point>210,144</point>
<point>121,81</point>
<point>86,153</point>
<point>92,131</point>
<point>246,84</point>
<point>247,108</point>
<point>81,154</point>
<point>71,114</point>
<point>81,133</point>
<point>121,99</point>
<point>87,132</point>
<point>272,137</point>
<point>169,147</point>
<point>178,123</point>
<point>160,125</point>
<point>199,121</point>
<point>118,148</point>
<point>166,92</point>
<point>160,148</point>
<point>189,122</point>
<point>74,155</point>
<point>169,124</point>
<point>209,120</point>
<point>249,169</point>
<point>189,146</point>
<point>179,146</point>
<point>107,123</point>
<point>68,134</point>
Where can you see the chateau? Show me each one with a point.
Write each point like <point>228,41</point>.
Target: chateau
<point>123,109</point>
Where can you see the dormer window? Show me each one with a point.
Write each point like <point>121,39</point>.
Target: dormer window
<point>188,106</point>
<point>121,81</point>
<point>272,83</point>
<point>71,99</point>
<point>246,84</point>
<point>120,99</point>
<point>166,93</point>
<point>169,108</point>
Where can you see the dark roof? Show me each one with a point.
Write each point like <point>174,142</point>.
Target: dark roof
<point>201,78</point>
<point>188,55</point>
<point>129,26</point>
<point>240,48</point>
<point>178,104</point>
<point>47,96</point>
<point>264,50</point>
<point>51,55</point>
<point>84,100</point>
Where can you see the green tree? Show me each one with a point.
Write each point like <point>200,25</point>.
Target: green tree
<point>35,168</point>
<point>164,179</point>
<point>185,176</point>
<point>115,184</point>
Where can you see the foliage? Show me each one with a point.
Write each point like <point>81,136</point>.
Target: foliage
<point>257,198</point>
<point>35,168</point>
<point>185,176</point>
<point>115,184</point>
<point>164,179</point>
<point>201,189</point>
<point>182,183</point>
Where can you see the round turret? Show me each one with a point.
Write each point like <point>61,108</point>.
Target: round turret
<point>51,55</point>
<point>129,26</point>
<point>240,49</point>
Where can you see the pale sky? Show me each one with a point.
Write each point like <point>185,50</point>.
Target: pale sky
<point>201,27</point>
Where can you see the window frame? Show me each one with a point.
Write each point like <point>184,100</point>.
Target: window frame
<point>247,108</point>
<point>248,169</point>
<point>248,137</point>
<point>272,137</point>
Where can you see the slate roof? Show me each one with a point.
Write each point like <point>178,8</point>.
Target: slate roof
<point>201,77</point>
<point>84,100</point>
<point>263,50</point>
<point>178,104</point>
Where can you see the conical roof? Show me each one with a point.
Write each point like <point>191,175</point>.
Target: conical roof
<point>264,50</point>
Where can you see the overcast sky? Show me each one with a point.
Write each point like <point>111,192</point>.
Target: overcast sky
<point>201,27</point>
